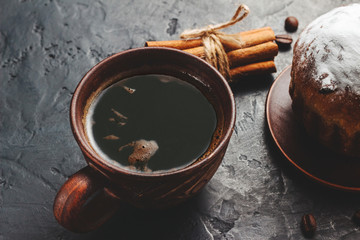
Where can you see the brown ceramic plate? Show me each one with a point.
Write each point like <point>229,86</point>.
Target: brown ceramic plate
<point>300,150</point>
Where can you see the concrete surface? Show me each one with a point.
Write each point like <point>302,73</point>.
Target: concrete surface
<point>47,46</point>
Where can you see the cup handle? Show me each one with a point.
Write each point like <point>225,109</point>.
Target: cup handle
<point>83,203</point>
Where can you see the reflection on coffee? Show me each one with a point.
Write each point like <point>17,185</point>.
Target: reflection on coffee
<point>151,123</point>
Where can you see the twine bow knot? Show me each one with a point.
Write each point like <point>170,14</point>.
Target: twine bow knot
<point>211,38</point>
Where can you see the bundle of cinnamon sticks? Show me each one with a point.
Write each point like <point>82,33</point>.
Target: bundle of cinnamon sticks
<point>253,54</point>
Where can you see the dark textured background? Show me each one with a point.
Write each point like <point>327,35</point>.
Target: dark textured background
<point>47,46</point>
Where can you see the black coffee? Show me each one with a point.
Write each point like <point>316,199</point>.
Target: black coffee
<point>151,123</point>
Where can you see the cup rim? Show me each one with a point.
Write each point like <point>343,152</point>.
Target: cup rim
<point>92,156</point>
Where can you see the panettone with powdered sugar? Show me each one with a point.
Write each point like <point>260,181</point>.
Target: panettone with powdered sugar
<point>325,79</point>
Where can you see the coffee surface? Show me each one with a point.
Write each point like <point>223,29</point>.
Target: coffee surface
<point>151,123</point>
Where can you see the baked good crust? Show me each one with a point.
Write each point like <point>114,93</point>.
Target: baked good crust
<point>331,117</point>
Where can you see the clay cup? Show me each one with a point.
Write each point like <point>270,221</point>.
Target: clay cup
<point>93,194</point>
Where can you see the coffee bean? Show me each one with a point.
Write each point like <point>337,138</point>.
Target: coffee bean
<point>356,217</point>
<point>308,225</point>
<point>283,41</point>
<point>291,24</point>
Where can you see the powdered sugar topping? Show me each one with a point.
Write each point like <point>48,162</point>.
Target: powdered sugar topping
<point>333,40</point>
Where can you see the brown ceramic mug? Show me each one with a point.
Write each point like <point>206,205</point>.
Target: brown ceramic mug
<point>93,194</point>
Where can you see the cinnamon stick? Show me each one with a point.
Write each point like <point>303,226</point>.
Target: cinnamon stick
<point>244,56</point>
<point>253,69</point>
<point>197,51</point>
<point>249,54</point>
<point>252,54</point>
<point>246,39</point>
<point>178,44</point>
